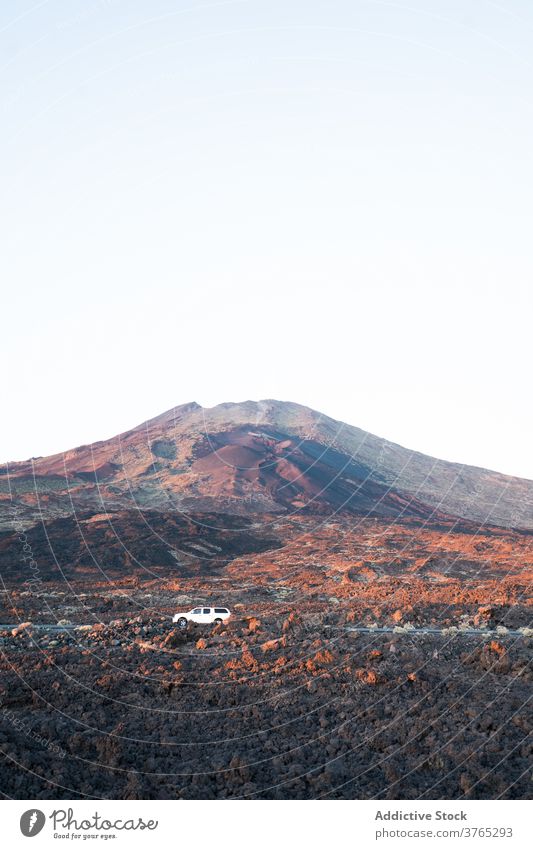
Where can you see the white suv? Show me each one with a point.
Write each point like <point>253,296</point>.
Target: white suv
<point>203,615</point>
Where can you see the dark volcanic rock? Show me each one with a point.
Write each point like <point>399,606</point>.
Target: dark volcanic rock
<point>124,542</point>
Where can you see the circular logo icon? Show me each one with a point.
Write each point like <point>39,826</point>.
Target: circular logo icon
<point>31,822</point>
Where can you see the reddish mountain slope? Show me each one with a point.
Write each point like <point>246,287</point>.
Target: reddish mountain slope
<point>257,457</point>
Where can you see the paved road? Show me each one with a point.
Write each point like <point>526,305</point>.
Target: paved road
<point>36,627</point>
<point>361,629</point>
<point>469,632</point>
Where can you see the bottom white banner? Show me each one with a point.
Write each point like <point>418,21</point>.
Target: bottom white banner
<point>257,824</point>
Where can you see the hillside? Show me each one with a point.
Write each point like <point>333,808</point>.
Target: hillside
<point>255,458</point>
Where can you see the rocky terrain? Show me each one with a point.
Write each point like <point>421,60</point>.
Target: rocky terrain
<point>276,705</point>
<point>380,638</point>
<point>286,701</point>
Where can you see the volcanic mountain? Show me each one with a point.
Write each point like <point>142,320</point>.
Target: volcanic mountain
<point>379,609</point>
<point>255,458</point>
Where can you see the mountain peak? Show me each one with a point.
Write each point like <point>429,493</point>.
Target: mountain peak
<point>263,456</point>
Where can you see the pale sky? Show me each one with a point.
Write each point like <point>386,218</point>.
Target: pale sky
<point>324,202</point>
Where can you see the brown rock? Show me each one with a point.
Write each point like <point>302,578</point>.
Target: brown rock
<point>270,645</point>
<point>367,676</point>
<point>174,639</point>
<point>23,628</point>
<point>292,621</point>
<point>497,647</point>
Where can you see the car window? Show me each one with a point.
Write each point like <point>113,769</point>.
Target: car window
<point>197,610</point>
<point>221,610</point>
<point>207,610</point>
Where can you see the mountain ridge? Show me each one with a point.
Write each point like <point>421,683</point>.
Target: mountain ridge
<point>256,457</point>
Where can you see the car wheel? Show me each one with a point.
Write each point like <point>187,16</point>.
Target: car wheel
<point>182,623</point>
<point>218,621</point>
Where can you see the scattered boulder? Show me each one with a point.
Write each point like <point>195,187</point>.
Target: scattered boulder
<point>22,628</point>
<point>293,621</point>
<point>253,624</point>
<point>174,638</point>
<point>366,676</point>
<point>271,645</point>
